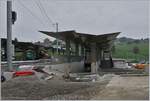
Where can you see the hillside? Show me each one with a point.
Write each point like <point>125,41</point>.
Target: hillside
<point>127,48</point>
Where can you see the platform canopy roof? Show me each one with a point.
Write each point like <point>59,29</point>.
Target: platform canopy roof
<point>102,40</point>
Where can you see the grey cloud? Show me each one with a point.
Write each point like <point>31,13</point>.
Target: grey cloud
<point>89,16</point>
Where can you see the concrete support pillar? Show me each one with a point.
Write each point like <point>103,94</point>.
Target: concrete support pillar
<point>94,64</point>
<point>82,50</point>
<point>76,49</point>
<point>111,61</point>
<point>67,66</point>
<point>99,57</point>
<point>102,55</point>
<point>68,50</point>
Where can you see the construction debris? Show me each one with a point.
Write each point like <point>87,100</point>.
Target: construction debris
<point>23,73</point>
<point>48,78</point>
<point>90,77</point>
<point>25,67</point>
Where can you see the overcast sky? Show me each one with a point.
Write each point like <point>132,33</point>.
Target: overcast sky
<point>87,16</point>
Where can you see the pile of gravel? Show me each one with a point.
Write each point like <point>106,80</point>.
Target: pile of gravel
<point>34,88</point>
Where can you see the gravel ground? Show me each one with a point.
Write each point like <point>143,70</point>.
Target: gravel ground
<point>33,88</point>
<point>125,88</point>
<point>108,87</point>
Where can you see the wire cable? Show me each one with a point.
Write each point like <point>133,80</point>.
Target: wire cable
<point>44,12</point>
<point>38,19</point>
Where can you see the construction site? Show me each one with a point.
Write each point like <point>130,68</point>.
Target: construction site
<point>119,84</point>
<point>84,68</point>
<point>90,73</point>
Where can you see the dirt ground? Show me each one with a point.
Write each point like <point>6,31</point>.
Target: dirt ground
<point>125,88</point>
<point>116,87</point>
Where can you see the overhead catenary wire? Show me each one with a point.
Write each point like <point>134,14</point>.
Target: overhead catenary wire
<point>39,4</point>
<point>34,15</point>
<point>45,12</point>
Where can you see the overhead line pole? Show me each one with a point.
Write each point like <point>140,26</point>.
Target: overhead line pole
<point>57,39</point>
<point>9,34</point>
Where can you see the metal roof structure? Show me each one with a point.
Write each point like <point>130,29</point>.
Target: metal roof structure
<point>102,40</point>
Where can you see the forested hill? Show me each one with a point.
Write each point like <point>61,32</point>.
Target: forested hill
<point>128,48</point>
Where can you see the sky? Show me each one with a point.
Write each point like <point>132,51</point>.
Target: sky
<point>130,17</point>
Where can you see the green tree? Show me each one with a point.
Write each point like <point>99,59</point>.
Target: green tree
<point>136,51</point>
<point>113,49</point>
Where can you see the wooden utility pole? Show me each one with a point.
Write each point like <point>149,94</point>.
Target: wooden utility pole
<point>9,34</point>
